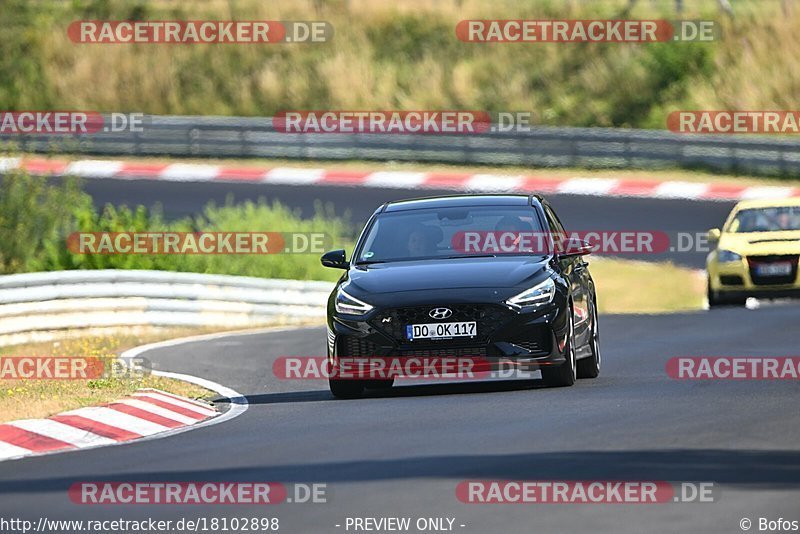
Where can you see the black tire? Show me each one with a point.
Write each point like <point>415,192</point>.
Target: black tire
<point>566,373</point>
<point>715,300</point>
<point>346,389</point>
<point>590,367</point>
<point>382,383</point>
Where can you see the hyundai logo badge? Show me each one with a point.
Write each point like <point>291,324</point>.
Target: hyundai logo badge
<point>440,313</point>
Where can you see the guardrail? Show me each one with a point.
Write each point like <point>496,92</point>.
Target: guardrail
<point>35,305</point>
<point>240,137</point>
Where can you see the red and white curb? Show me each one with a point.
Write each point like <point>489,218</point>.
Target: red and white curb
<point>145,413</point>
<point>109,425</point>
<point>483,183</point>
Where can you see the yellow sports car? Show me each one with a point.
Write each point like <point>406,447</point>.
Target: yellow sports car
<point>756,252</point>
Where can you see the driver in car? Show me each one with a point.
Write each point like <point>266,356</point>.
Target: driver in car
<point>419,243</point>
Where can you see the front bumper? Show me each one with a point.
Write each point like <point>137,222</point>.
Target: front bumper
<point>741,279</point>
<point>526,339</point>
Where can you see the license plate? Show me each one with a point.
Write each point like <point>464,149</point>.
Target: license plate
<point>774,269</point>
<point>441,330</point>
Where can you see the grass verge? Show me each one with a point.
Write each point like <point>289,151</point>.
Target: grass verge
<point>627,286</point>
<point>27,399</point>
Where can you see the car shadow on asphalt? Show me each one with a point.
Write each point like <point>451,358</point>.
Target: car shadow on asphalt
<point>411,390</point>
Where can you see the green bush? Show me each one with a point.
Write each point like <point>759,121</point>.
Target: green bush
<point>36,218</point>
<point>404,56</point>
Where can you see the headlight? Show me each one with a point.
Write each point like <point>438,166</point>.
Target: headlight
<point>536,296</point>
<point>726,256</point>
<point>346,303</point>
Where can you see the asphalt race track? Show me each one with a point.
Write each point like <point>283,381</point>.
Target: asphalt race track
<point>402,453</point>
<point>579,213</point>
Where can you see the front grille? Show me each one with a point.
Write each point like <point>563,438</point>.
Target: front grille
<point>488,318</point>
<point>354,347</point>
<point>754,261</point>
<point>460,352</point>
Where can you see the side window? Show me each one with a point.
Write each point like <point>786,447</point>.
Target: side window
<point>551,216</point>
<point>556,229</point>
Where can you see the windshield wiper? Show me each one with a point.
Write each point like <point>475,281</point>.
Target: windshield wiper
<point>471,256</point>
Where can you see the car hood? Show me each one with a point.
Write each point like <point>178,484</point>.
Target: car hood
<point>761,243</point>
<point>447,274</point>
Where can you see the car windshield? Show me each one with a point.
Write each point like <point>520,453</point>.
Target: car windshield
<point>453,232</point>
<point>777,219</point>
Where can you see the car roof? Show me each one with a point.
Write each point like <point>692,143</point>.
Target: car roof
<point>457,201</point>
<point>768,203</point>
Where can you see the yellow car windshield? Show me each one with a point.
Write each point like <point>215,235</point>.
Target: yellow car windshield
<point>772,219</point>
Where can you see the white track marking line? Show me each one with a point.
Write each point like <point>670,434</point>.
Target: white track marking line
<point>9,164</point>
<point>189,172</point>
<point>587,186</point>
<point>207,412</point>
<point>688,190</point>
<point>187,400</point>
<point>493,182</point>
<point>757,192</point>
<point>60,431</point>
<point>288,175</point>
<point>94,168</point>
<point>238,402</point>
<point>8,451</point>
<point>107,416</point>
<point>158,410</point>
<point>395,179</point>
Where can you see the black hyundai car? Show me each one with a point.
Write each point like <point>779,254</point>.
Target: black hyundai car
<point>470,276</point>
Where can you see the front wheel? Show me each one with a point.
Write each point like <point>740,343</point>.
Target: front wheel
<point>590,367</point>
<point>715,300</point>
<point>564,374</point>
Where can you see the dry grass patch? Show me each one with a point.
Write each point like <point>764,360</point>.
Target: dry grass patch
<point>27,399</point>
<point>627,286</point>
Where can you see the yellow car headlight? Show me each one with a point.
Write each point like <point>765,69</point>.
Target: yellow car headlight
<point>728,256</point>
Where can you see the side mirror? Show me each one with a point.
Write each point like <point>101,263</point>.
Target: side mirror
<point>335,259</point>
<point>575,247</point>
<point>713,235</point>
